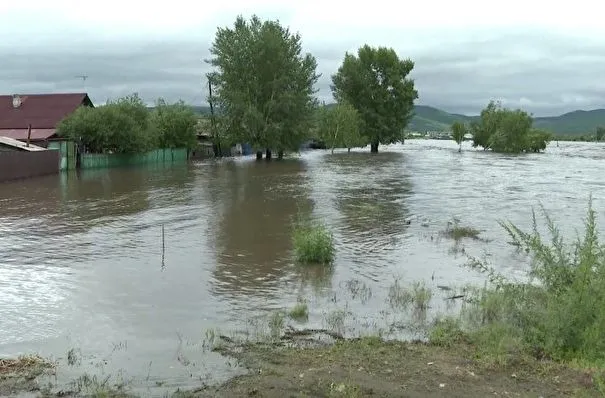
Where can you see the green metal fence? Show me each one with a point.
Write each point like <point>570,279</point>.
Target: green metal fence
<point>67,150</point>
<point>95,160</point>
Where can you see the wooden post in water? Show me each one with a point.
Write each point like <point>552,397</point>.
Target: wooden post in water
<point>29,134</point>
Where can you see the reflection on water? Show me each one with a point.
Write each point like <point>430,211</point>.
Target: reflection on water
<point>374,206</point>
<point>254,233</point>
<point>80,263</point>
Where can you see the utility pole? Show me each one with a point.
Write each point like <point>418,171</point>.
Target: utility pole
<point>216,143</point>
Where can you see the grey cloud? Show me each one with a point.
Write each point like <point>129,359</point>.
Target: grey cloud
<point>540,71</point>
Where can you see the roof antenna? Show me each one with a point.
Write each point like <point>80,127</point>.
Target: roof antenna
<point>83,77</point>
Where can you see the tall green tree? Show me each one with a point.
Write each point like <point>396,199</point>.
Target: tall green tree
<point>458,132</point>
<point>175,125</point>
<point>263,84</point>
<point>339,127</point>
<point>376,83</point>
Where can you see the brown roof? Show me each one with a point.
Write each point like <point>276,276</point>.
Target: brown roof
<point>42,111</point>
<point>21,134</point>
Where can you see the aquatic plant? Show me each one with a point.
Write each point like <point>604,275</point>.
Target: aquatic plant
<point>313,243</point>
<point>300,312</point>
<point>458,232</point>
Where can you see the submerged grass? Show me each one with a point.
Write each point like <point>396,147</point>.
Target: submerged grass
<point>458,232</point>
<point>558,314</point>
<point>402,297</point>
<point>300,312</point>
<point>313,243</point>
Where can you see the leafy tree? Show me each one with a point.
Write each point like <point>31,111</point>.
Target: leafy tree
<point>505,130</point>
<point>263,84</point>
<point>338,127</point>
<point>512,132</point>
<point>458,132</point>
<point>376,83</point>
<point>600,133</point>
<point>175,125</point>
<point>121,126</point>
<point>483,129</point>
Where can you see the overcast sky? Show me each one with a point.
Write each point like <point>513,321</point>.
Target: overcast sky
<point>542,56</point>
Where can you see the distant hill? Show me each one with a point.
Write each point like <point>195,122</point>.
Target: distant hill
<point>428,118</point>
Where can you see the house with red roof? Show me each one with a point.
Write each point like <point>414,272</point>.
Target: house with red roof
<point>40,112</point>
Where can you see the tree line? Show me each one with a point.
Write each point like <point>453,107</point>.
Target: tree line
<point>262,92</point>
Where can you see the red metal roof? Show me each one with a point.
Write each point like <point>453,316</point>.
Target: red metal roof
<point>42,111</point>
<point>21,134</point>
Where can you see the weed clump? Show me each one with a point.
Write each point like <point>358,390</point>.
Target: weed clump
<point>401,297</point>
<point>313,243</point>
<point>559,313</point>
<point>300,312</point>
<point>457,232</point>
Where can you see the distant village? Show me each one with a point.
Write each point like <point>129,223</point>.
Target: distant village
<point>435,135</point>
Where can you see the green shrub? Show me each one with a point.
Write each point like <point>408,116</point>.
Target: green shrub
<point>560,312</point>
<point>313,243</point>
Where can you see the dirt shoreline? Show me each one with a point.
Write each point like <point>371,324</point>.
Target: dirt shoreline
<point>367,367</point>
<point>371,367</point>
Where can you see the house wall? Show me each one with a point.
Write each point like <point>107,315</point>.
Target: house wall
<point>22,164</point>
<point>94,160</point>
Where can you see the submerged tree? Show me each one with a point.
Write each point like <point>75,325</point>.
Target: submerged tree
<point>505,130</point>
<point>263,84</point>
<point>376,83</point>
<point>339,127</point>
<point>458,132</point>
<point>538,140</point>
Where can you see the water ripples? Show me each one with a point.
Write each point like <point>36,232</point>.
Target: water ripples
<point>81,255</point>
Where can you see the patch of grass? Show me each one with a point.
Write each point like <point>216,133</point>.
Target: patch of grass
<point>446,332</point>
<point>421,296</point>
<point>91,386</point>
<point>335,321</point>
<point>30,365</point>
<point>300,312</point>
<point>359,289</point>
<point>401,297</point>
<point>313,243</point>
<point>276,324</point>
<point>558,314</point>
<point>458,232</point>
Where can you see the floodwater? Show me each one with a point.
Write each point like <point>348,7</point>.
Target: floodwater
<point>83,265</point>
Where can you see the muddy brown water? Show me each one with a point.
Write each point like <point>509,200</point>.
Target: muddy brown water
<point>81,254</point>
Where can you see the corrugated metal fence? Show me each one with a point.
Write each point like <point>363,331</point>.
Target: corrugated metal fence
<point>17,164</point>
<point>94,161</point>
